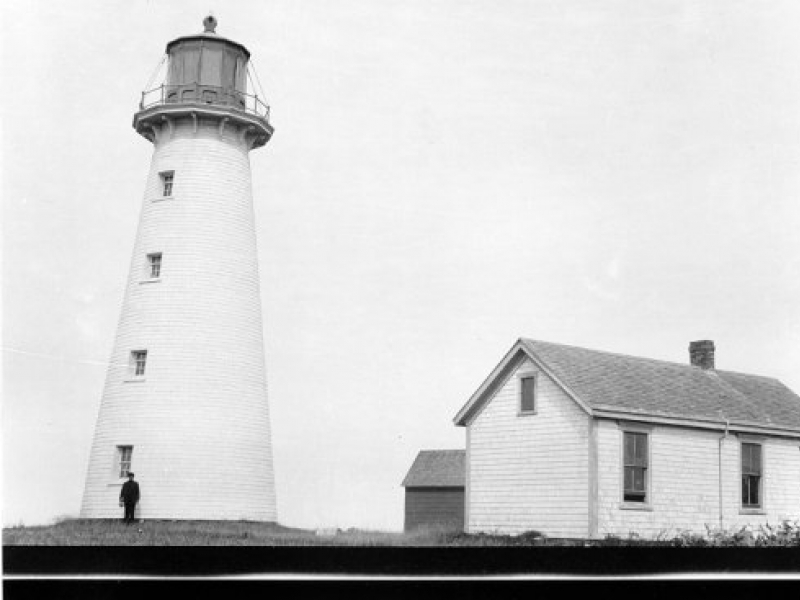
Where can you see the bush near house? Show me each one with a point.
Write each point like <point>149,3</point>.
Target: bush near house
<point>787,533</point>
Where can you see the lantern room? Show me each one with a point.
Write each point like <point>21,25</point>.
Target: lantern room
<point>206,78</point>
<point>206,68</point>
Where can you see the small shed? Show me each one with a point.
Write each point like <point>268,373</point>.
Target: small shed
<point>435,490</point>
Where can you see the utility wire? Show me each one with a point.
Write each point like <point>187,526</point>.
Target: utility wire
<point>252,83</point>
<point>153,76</point>
<point>63,358</point>
<point>260,87</point>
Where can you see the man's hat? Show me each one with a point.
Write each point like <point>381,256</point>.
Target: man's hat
<point>130,473</point>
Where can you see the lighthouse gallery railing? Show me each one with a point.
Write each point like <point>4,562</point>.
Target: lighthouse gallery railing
<point>204,94</point>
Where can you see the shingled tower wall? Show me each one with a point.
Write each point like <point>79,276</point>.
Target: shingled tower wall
<point>185,399</point>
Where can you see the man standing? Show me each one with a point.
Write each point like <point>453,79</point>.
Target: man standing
<point>129,496</point>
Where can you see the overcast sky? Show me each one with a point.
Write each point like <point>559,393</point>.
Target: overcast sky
<point>445,177</point>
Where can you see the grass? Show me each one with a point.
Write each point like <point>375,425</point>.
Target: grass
<point>91,532</point>
<point>95,532</point>
<point>99,532</point>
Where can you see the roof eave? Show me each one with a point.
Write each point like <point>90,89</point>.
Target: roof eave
<point>460,419</point>
<point>433,486</point>
<point>478,399</point>
<point>212,37</point>
<point>606,412</point>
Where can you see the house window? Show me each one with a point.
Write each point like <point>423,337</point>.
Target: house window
<point>167,178</point>
<point>154,265</point>
<point>635,466</point>
<point>527,394</point>
<point>138,362</point>
<point>124,454</point>
<point>751,475</point>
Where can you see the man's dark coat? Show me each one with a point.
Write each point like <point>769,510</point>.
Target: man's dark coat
<point>130,492</point>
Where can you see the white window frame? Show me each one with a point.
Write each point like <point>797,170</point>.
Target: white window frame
<point>138,357</point>
<point>150,263</point>
<point>120,464</point>
<point>167,187</point>
<point>646,430</point>
<point>522,375</point>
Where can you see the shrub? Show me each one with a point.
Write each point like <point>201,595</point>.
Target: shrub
<point>787,533</point>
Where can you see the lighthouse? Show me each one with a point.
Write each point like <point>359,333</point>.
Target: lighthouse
<point>184,405</point>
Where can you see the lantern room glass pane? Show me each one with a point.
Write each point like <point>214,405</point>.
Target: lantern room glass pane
<point>184,64</point>
<point>211,65</point>
<point>191,65</point>
<point>241,72</point>
<point>229,68</point>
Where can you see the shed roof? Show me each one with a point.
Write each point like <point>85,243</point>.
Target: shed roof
<point>616,382</point>
<point>437,468</point>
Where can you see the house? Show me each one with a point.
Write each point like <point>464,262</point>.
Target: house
<point>435,491</point>
<point>582,443</point>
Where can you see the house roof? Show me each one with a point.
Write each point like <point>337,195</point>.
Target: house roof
<point>437,468</point>
<point>604,381</point>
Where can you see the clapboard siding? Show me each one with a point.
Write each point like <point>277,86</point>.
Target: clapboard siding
<point>434,508</point>
<point>198,420</point>
<point>529,472</point>
<point>685,484</point>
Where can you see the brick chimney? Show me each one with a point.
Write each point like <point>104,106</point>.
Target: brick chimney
<point>701,354</point>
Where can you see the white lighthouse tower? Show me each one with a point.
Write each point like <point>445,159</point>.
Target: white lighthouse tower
<point>185,399</point>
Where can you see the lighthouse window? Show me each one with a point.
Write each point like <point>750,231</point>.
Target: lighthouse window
<point>138,362</point>
<point>154,265</point>
<point>124,455</point>
<point>167,177</point>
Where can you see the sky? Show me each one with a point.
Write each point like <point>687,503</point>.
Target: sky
<point>445,177</point>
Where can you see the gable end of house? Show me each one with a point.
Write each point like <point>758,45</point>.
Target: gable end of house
<point>516,356</point>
